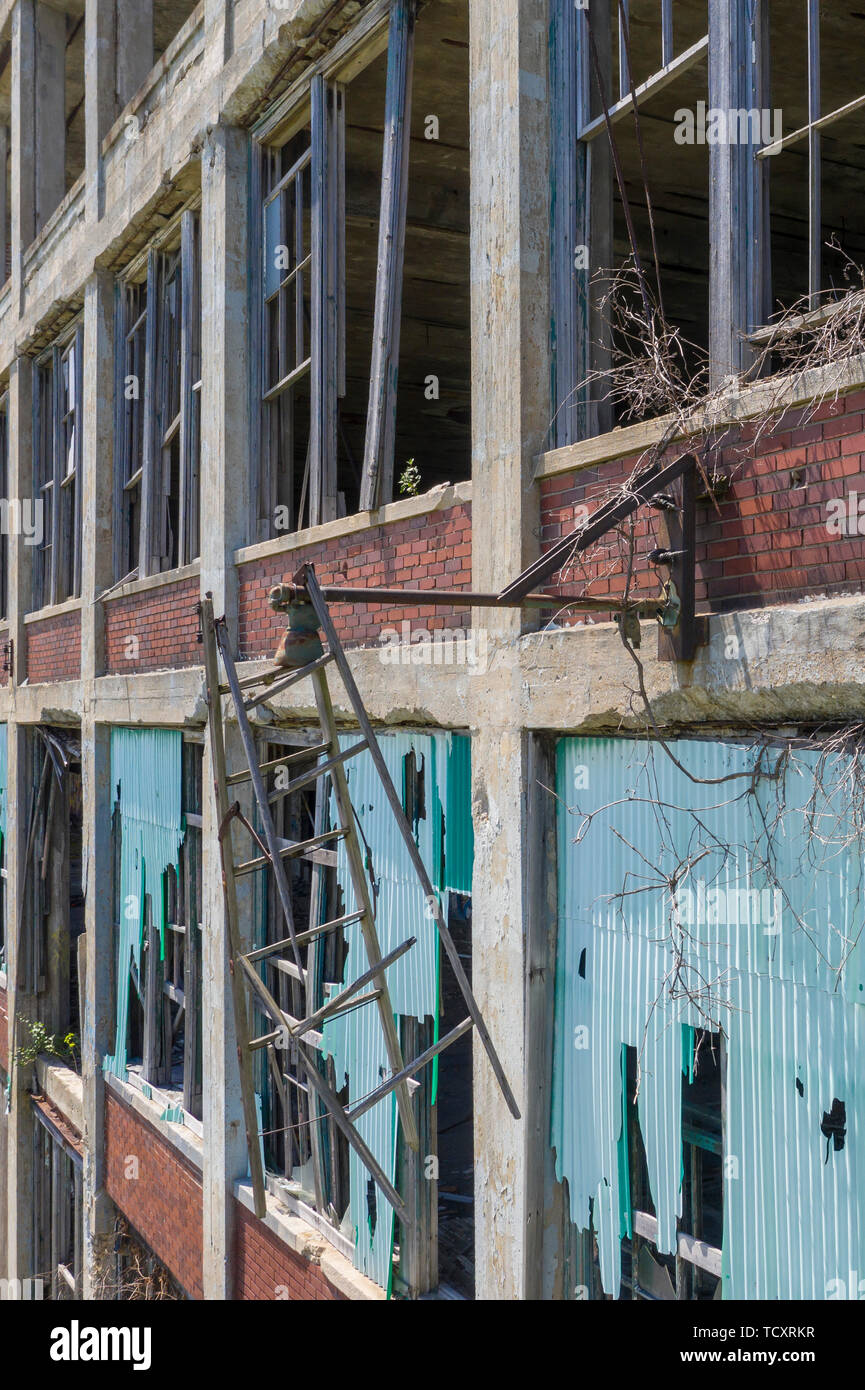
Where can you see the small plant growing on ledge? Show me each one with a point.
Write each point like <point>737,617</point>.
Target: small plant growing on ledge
<point>409,479</point>
<point>41,1041</point>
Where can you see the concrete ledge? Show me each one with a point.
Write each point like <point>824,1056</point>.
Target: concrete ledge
<point>151,581</point>
<point>802,662</point>
<point>310,1245</point>
<point>63,1087</point>
<point>179,1136</point>
<point>436,500</point>
<point>775,394</point>
<point>54,610</point>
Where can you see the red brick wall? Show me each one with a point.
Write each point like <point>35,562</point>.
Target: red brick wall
<point>164,1202</point>
<point>164,624</point>
<point>267,1270</point>
<point>54,649</point>
<point>770,541</point>
<point>4,1032</point>
<point>423,551</point>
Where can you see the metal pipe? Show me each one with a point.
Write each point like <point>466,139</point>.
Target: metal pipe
<point>460,598</point>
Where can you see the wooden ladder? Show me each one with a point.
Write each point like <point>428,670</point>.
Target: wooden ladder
<point>300,1033</point>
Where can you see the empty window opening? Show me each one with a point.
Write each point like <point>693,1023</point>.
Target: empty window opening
<point>162,994</point>
<point>158,355</point>
<point>341,380</point>
<point>57,1207</point>
<point>57,433</point>
<point>646,1273</point>
<point>53,942</point>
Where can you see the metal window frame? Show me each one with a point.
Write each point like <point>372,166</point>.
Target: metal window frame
<point>57,568</point>
<point>168,365</point>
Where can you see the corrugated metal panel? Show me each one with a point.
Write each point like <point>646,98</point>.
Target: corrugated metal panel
<point>778,970</point>
<point>146,767</point>
<point>356,1041</point>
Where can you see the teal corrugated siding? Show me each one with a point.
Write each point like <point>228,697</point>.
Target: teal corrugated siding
<point>146,767</point>
<point>783,972</point>
<point>356,1041</point>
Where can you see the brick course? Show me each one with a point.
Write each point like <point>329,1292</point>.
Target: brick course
<point>165,624</point>
<point>266,1269</point>
<point>422,552</point>
<point>164,1203</point>
<point>54,649</point>
<point>768,540</point>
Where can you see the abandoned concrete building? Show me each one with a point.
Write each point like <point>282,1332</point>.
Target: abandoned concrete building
<point>545,322</point>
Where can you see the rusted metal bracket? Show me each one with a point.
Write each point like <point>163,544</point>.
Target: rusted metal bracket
<point>680,631</point>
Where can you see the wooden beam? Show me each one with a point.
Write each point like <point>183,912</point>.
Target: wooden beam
<point>648,89</point>
<point>378,462</point>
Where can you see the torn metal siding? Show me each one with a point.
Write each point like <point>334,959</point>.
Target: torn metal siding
<point>146,777</point>
<point>786,987</point>
<point>356,1041</point>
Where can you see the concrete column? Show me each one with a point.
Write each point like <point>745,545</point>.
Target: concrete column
<point>21,1006</point>
<point>96,1031</point>
<point>510,237</point>
<point>100,97</point>
<point>23,132</point>
<point>219,27</point>
<point>4,202</point>
<point>224,519</point>
<point>50,111</point>
<point>225,461</point>
<point>96,575</point>
<point>134,47</point>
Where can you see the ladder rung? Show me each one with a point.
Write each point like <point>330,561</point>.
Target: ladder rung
<point>381,1091</point>
<point>373,973</point>
<point>256,1043</point>
<point>303,937</point>
<point>289,680</point>
<point>314,751</point>
<point>288,967</point>
<point>320,770</point>
<point>294,849</point>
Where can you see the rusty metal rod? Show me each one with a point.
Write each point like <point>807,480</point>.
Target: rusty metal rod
<point>460,598</point>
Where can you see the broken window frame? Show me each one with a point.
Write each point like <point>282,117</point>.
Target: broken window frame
<point>157,490</point>
<point>57,1210</point>
<point>57,440</point>
<point>694,1258</point>
<point>169,983</point>
<point>318,99</point>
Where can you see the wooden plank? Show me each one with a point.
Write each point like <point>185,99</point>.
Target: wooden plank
<point>378,462</point>
<point>815,176</point>
<point>292,849</point>
<point>650,88</point>
<point>150,471</point>
<point>652,480</point>
<point>568,284</point>
<point>190,372</point>
<point>697,1252</point>
<point>325,99</point>
<point>304,937</point>
<point>290,680</point>
<point>337,1001</point>
<point>264,768</point>
<point>411,1069</point>
<point>320,770</point>
<point>360,884</point>
<point>241,1017</point>
<point>402,823</point>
